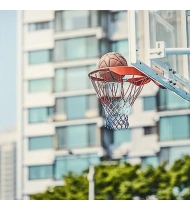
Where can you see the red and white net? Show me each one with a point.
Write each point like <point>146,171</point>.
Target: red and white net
<point>117,96</point>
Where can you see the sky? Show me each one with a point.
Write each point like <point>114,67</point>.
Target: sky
<point>8,67</point>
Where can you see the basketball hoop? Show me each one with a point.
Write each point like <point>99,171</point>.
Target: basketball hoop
<point>117,89</point>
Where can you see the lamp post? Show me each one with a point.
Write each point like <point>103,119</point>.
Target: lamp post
<point>90,177</point>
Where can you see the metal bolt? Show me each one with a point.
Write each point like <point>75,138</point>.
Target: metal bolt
<point>174,72</point>
<point>170,80</point>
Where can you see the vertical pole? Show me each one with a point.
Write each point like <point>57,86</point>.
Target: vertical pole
<point>132,36</point>
<point>147,38</point>
<point>91,182</point>
<point>184,37</point>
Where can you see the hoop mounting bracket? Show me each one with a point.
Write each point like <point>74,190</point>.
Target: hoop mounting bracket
<point>161,51</point>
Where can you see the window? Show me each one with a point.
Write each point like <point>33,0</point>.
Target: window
<point>40,142</point>
<point>76,48</point>
<point>122,136</point>
<point>173,153</point>
<point>149,103</point>
<point>74,78</point>
<point>149,130</point>
<point>167,100</point>
<point>151,160</point>
<point>40,172</point>
<point>74,163</point>
<point>120,46</point>
<point>76,136</point>
<point>40,57</point>
<point>40,25</point>
<point>174,128</point>
<point>84,103</point>
<point>72,19</point>
<point>38,115</point>
<point>115,16</point>
<point>40,85</point>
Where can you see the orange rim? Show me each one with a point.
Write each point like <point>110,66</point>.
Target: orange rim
<point>126,70</point>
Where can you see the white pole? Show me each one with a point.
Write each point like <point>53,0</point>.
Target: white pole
<point>179,51</point>
<point>91,182</point>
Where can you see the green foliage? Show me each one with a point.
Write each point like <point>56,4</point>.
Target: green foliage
<point>125,182</point>
<point>75,188</point>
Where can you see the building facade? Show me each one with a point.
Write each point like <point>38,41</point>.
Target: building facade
<point>8,164</point>
<point>60,121</point>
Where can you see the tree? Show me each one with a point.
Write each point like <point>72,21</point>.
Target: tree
<point>75,188</point>
<point>125,182</point>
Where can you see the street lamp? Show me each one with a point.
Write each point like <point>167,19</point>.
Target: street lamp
<point>90,177</point>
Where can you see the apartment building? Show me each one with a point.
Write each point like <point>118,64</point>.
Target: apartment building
<point>60,121</point>
<point>8,164</point>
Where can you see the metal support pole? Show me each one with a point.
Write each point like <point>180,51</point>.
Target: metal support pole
<point>178,51</point>
<point>132,36</point>
<point>91,182</point>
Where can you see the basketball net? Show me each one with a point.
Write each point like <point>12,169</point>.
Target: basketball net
<point>117,96</point>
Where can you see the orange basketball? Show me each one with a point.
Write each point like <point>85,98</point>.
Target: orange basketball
<point>111,59</point>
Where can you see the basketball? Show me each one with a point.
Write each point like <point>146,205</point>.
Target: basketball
<point>111,59</point>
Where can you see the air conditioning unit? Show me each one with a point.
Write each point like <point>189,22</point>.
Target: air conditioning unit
<point>60,117</point>
<point>92,113</point>
<point>57,118</point>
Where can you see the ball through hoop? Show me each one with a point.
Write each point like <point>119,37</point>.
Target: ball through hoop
<point>117,89</point>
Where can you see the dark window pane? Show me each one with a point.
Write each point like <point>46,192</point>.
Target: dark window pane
<point>151,160</point>
<point>176,153</point>
<point>59,106</point>
<point>41,142</point>
<point>149,103</point>
<point>77,136</point>
<point>76,78</point>
<point>164,155</point>
<point>174,128</point>
<point>38,115</point>
<point>92,135</point>
<point>120,46</point>
<point>74,163</point>
<point>75,19</point>
<point>170,101</point>
<point>59,50</point>
<point>40,85</point>
<point>76,48</point>
<point>61,137</point>
<point>72,111</point>
<point>59,80</point>
<point>58,21</point>
<point>40,172</point>
<point>60,168</point>
<point>121,136</point>
<point>39,57</point>
<point>149,130</point>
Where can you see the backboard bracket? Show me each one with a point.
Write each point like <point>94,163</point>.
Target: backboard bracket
<point>169,77</point>
<point>170,81</point>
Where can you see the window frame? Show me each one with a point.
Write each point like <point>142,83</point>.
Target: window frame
<point>144,105</point>
<point>47,111</point>
<point>41,79</point>
<point>30,138</point>
<point>65,105</point>
<point>65,78</point>
<point>89,18</point>
<point>173,137</point>
<point>86,40</point>
<point>38,166</point>
<point>88,134</point>
<point>50,56</point>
